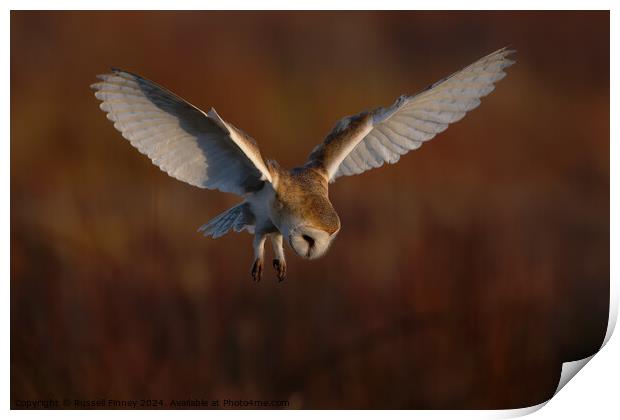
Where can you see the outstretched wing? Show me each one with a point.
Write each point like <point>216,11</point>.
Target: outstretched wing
<point>369,139</point>
<point>189,145</point>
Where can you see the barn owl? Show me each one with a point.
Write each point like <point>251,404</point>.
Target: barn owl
<point>293,205</point>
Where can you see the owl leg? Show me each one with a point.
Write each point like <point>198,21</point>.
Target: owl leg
<point>279,263</point>
<point>259,253</point>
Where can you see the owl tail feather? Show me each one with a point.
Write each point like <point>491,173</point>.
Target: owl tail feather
<point>237,218</point>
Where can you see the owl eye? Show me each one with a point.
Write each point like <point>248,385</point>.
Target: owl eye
<point>309,240</point>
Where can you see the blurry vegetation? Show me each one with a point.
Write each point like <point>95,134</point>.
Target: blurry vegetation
<point>461,278</point>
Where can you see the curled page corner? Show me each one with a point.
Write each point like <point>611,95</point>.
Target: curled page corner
<point>570,369</point>
<point>518,412</point>
<point>614,297</point>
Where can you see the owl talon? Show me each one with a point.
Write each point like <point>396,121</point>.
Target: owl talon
<point>257,270</point>
<point>280,267</point>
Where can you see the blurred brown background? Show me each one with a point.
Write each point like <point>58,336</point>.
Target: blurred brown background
<point>462,277</point>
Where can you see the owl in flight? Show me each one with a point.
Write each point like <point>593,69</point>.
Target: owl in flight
<point>287,205</point>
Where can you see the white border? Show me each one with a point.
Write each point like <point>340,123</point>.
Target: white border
<point>595,391</point>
